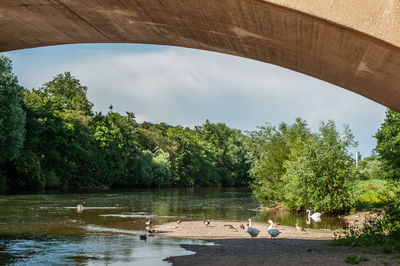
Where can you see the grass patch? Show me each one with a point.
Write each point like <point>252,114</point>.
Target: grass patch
<point>396,257</point>
<point>355,259</point>
<point>371,192</point>
<point>388,248</point>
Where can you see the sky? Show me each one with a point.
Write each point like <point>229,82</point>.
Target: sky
<point>182,86</point>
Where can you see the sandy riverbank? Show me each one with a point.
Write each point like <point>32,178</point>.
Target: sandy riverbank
<point>235,247</point>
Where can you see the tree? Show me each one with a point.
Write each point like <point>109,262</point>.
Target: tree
<point>12,117</point>
<point>268,150</point>
<point>229,153</point>
<point>372,167</point>
<point>320,175</point>
<point>388,144</point>
<point>69,94</point>
<point>194,163</point>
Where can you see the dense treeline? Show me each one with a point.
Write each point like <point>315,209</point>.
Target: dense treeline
<point>51,139</point>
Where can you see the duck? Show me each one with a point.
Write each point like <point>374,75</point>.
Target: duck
<point>242,226</point>
<point>272,231</point>
<point>253,232</point>
<point>179,221</point>
<point>276,224</point>
<point>315,216</point>
<point>300,228</point>
<point>207,222</point>
<point>143,237</point>
<point>230,226</point>
<point>149,230</point>
<point>149,223</point>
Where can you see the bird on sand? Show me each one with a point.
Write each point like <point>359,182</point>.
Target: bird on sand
<point>149,223</point>
<point>207,222</point>
<point>149,230</point>
<point>179,221</point>
<point>241,226</point>
<point>272,231</point>
<point>300,228</point>
<point>230,226</point>
<point>253,232</point>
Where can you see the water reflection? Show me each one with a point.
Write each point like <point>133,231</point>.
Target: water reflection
<point>89,250</point>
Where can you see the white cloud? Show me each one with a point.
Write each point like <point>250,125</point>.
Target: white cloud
<point>184,86</point>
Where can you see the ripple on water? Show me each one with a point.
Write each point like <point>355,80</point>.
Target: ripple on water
<point>139,215</point>
<point>97,248</point>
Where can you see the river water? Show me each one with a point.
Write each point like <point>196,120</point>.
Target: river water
<point>48,229</point>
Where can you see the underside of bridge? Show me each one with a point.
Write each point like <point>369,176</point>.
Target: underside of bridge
<point>350,43</point>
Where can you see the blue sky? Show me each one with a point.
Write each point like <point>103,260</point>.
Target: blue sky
<point>187,86</point>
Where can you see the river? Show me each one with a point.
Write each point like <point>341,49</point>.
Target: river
<point>48,229</point>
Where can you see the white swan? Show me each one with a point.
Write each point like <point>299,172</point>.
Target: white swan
<point>315,216</point>
<point>253,232</point>
<point>272,231</point>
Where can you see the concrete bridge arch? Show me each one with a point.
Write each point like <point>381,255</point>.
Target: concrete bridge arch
<point>350,43</point>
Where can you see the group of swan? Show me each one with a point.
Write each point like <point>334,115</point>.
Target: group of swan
<point>253,232</point>
<point>273,232</point>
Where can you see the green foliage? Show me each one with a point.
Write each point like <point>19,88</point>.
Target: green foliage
<point>355,259</point>
<point>372,167</point>
<point>68,95</point>
<point>194,163</point>
<point>230,157</point>
<point>268,150</point>
<point>371,192</point>
<point>12,116</point>
<point>382,228</point>
<point>320,175</point>
<point>388,144</point>
<point>162,169</point>
<point>303,169</point>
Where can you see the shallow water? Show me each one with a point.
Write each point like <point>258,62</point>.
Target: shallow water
<point>47,229</point>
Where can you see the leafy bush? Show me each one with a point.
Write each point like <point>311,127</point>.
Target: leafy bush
<point>268,150</point>
<point>320,176</point>
<point>382,228</point>
<point>388,144</point>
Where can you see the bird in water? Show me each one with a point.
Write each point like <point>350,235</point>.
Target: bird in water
<point>253,232</point>
<point>79,207</point>
<point>300,228</point>
<point>143,237</point>
<point>315,216</point>
<point>272,231</point>
<point>241,226</point>
<point>207,222</point>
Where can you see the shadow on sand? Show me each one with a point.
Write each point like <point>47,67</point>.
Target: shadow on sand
<point>281,251</point>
